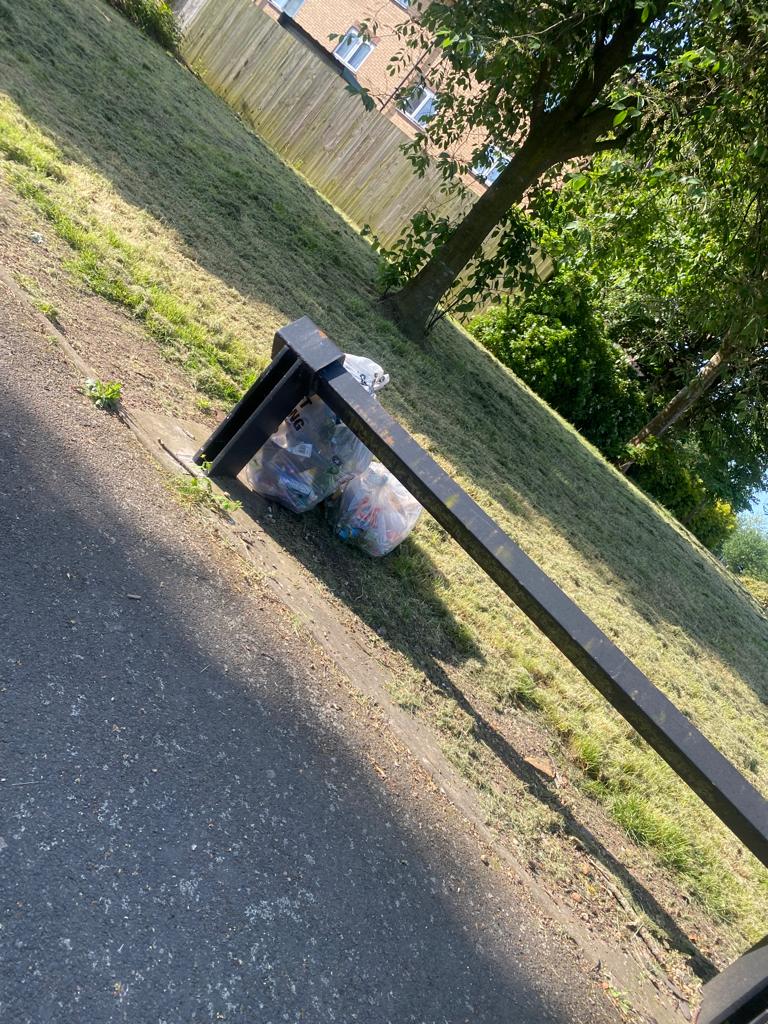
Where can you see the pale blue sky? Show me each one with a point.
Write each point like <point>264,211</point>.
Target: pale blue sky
<point>760,505</point>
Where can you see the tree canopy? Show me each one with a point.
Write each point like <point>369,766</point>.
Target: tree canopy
<point>677,242</point>
<point>637,135</point>
<point>546,84</point>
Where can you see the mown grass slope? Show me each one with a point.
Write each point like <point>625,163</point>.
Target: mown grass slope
<point>174,210</point>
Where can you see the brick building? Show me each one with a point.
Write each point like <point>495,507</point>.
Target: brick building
<point>333,28</point>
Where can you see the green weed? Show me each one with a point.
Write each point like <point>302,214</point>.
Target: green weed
<point>407,692</point>
<point>513,688</point>
<point>198,490</point>
<point>119,272</point>
<point>104,394</point>
<point>589,755</point>
<point>621,999</point>
<point>49,311</point>
<point>679,850</point>
<point>20,143</point>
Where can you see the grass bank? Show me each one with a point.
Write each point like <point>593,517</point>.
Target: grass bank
<point>173,210</point>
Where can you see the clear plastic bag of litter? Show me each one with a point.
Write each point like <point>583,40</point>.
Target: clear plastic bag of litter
<point>312,454</point>
<point>374,511</point>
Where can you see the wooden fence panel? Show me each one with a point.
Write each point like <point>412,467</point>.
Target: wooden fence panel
<point>300,106</point>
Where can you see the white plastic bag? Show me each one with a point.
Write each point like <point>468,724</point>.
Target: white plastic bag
<point>312,454</point>
<point>375,512</point>
<point>370,374</point>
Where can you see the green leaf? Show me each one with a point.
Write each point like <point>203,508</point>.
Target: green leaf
<point>365,96</point>
<point>621,117</point>
<point>578,181</point>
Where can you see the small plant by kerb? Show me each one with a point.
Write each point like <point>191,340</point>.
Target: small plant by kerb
<point>105,394</point>
<point>198,490</point>
<point>48,310</point>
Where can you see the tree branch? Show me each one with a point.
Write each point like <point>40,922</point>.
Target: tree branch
<point>597,122</point>
<point>607,145</point>
<point>606,60</point>
<point>540,91</point>
<point>581,137</point>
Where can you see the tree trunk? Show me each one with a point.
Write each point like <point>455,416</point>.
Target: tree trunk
<point>570,130</point>
<point>686,397</point>
<point>414,303</point>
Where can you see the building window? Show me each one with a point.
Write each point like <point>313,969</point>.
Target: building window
<point>403,3</point>
<point>420,105</point>
<point>352,50</point>
<point>489,169</point>
<point>289,7</point>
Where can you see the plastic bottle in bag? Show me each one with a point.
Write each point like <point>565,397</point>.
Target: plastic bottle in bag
<point>375,512</point>
<point>312,453</point>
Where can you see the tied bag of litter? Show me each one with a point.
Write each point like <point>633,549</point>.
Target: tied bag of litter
<point>375,512</point>
<point>313,454</point>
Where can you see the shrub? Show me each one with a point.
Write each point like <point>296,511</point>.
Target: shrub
<point>155,18</point>
<point>556,342</point>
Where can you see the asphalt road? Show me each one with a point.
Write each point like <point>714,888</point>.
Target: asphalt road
<point>192,829</point>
